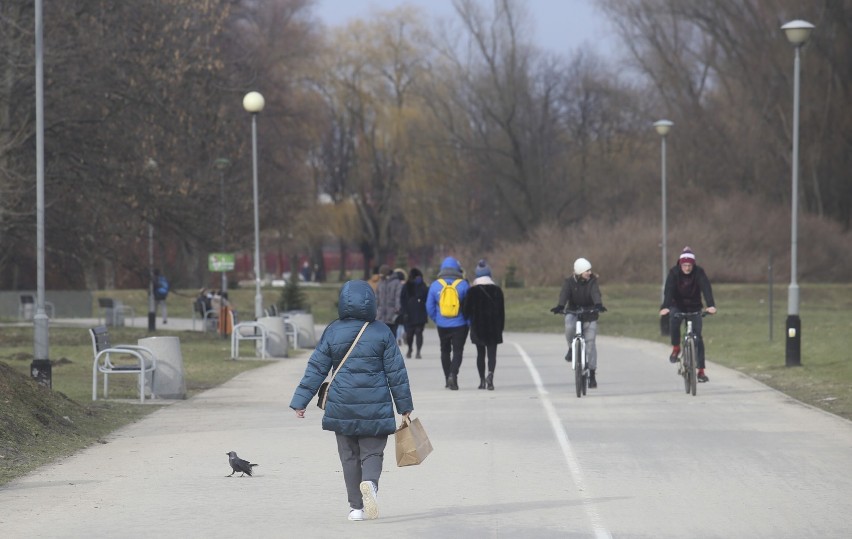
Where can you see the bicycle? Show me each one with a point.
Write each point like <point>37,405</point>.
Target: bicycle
<point>577,350</point>
<point>687,361</point>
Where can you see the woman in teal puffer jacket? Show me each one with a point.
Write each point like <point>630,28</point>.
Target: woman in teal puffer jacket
<point>360,407</point>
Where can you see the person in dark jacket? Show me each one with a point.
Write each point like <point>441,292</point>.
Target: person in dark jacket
<point>582,290</point>
<point>685,284</point>
<point>162,287</point>
<point>388,290</point>
<point>361,399</point>
<point>413,299</point>
<point>485,310</point>
<point>452,330</point>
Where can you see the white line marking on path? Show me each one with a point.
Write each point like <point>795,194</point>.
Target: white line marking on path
<point>562,437</point>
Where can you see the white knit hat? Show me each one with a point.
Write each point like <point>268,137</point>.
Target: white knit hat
<point>581,265</point>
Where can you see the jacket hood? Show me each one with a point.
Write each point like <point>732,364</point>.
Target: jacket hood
<point>357,300</point>
<point>450,263</point>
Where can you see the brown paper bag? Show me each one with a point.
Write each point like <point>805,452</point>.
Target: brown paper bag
<point>412,443</point>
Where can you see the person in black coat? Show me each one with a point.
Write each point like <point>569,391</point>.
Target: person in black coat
<point>414,316</point>
<point>484,307</point>
<point>685,285</point>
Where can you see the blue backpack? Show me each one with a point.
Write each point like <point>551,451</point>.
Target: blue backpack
<point>162,289</point>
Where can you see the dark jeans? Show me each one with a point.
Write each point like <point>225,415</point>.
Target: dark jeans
<point>481,351</point>
<point>393,327</point>
<point>414,335</point>
<point>452,348</point>
<point>675,325</point>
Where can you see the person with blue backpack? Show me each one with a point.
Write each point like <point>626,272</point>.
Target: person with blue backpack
<point>161,292</point>
<point>443,304</point>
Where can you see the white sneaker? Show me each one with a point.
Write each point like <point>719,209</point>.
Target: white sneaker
<point>370,496</point>
<point>356,514</point>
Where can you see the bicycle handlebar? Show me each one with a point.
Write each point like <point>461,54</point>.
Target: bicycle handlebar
<point>680,315</point>
<point>583,310</point>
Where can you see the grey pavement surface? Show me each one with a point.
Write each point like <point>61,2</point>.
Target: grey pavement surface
<point>635,458</point>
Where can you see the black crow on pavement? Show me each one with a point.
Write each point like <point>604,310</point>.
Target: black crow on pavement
<point>238,464</point>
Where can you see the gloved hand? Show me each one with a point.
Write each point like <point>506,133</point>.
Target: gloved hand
<point>600,308</point>
<point>559,309</point>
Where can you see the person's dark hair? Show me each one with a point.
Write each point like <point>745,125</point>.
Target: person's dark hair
<point>414,273</point>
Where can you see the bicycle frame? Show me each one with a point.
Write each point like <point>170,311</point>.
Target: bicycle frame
<point>578,352</point>
<point>688,352</point>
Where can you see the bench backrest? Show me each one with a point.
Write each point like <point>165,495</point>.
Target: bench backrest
<point>106,303</point>
<point>100,338</point>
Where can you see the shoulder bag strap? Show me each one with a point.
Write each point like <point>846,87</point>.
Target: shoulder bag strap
<point>342,361</point>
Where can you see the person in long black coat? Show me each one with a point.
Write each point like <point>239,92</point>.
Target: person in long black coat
<point>484,307</point>
<point>414,316</point>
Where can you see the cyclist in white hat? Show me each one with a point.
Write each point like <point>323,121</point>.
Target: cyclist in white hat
<point>582,290</point>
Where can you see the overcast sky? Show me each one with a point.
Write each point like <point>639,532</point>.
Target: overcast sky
<point>561,25</point>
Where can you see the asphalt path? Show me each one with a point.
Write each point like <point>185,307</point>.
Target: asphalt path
<point>637,457</point>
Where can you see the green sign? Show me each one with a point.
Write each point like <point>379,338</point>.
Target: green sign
<point>220,261</point>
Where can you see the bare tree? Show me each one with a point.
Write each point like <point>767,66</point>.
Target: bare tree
<point>723,72</point>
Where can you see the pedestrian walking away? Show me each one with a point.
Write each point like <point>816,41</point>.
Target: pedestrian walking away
<point>685,284</point>
<point>414,316</point>
<point>581,290</point>
<point>388,291</point>
<point>443,304</point>
<point>402,276</point>
<point>161,292</point>
<point>484,308</point>
<point>362,396</point>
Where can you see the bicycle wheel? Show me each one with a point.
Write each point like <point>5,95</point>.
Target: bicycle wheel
<point>693,378</point>
<point>584,370</point>
<point>576,350</point>
<point>692,387</point>
<point>686,360</point>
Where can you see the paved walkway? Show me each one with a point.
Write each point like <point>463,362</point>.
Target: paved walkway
<point>635,458</point>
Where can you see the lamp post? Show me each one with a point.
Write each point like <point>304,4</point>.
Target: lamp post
<point>253,103</point>
<point>151,169</point>
<point>40,367</point>
<point>221,165</point>
<point>797,32</point>
<point>662,127</point>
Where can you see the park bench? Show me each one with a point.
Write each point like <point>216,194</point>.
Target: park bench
<point>114,313</point>
<point>208,316</point>
<point>249,331</point>
<point>119,359</point>
<point>290,327</point>
<point>26,307</point>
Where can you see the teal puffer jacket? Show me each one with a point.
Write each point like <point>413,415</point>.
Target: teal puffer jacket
<point>361,399</point>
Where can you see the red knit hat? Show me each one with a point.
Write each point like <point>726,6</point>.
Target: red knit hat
<point>686,256</point>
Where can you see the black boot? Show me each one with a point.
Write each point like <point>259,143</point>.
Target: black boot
<point>453,382</point>
<point>489,381</point>
<point>592,382</point>
<point>447,383</point>
<point>408,355</point>
<point>481,383</point>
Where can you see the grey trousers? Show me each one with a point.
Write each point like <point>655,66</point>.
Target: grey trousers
<point>164,309</point>
<point>590,331</point>
<point>361,458</point>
